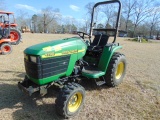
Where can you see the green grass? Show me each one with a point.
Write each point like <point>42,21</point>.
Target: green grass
<point>143,40</point>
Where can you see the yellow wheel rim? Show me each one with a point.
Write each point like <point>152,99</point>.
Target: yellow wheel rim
<point>120,70</point>
<point>75,102</point>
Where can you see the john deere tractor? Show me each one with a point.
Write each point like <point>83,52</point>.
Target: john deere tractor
<point>66,62</point>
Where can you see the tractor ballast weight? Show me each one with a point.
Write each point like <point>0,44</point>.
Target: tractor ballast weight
<point>64,62</point>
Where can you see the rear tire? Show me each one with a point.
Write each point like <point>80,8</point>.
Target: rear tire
<point>116,70</point>
<point>15,36</point>
<point>70,100</point>
<point>5,48</point>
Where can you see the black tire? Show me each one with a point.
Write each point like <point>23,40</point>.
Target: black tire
<point>116,70</point>
<point>6,48</point>
<point>74,93</point>
<point>16,36</point>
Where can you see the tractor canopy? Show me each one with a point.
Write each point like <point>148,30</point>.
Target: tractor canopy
<point>105,18</point>
<point>6,21</point>
<point>4,12</point>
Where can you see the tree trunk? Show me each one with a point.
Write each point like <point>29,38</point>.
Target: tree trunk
<point>150,33</point>
<point>134,30</point>
<point>44,24</point>
<point>126,29</point>
<point>157,34</point>
<point>127,23</point>
<point>35,28</point>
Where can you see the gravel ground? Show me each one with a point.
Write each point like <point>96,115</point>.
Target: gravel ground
<point>138,97</point>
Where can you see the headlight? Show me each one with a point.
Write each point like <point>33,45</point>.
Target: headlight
<point>33,59</point>
<point>26,57</point>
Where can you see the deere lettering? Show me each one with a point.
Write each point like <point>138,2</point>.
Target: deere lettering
<point>69,52</point>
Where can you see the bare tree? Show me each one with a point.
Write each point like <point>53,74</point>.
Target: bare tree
<point>142,10</point>
<point>128,11</point>
<point>48,15</point>
<point>67,22</point>
<point>53,26</point>
<point>89,8</point>
<point>110,14</point>
<point>158,30</point>
<point>154,19</point>
<point>86,23</point>
<point>122,23</point>
<point>142,29</point>
<point>22,18</point>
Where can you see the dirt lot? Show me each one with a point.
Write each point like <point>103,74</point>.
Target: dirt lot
<point>138,97</point>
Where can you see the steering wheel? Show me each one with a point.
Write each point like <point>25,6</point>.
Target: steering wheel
<point>82,34</point>
<point>6,22</point>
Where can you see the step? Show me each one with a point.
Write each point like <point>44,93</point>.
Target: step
<point>92,72</point>
<point>99,83</point>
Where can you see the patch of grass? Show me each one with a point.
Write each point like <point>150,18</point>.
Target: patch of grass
<point>143,40</point>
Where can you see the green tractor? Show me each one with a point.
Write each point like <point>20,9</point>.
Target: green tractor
<point>64,63</point>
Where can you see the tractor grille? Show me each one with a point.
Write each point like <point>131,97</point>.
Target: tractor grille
<point>47,67</point>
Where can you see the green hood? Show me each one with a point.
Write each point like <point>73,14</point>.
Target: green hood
<point>57,47</point>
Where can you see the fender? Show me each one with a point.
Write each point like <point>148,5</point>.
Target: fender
<point>5,41</point>
<point>107,53</point>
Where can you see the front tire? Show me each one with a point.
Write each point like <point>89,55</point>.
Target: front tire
<point>116,70</point>
<point>5,48</point>
<point>70,100</point>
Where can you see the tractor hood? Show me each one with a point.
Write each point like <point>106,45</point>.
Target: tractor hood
<point>57,48</point>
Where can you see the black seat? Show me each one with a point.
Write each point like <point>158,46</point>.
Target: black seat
<point>98,43</point>
<point>100,40</point>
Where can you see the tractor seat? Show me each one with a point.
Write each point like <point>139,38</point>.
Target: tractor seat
<point>98,43</point>
<point>100,40</point>
<point>94,48</point>
<point>92,72</point>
